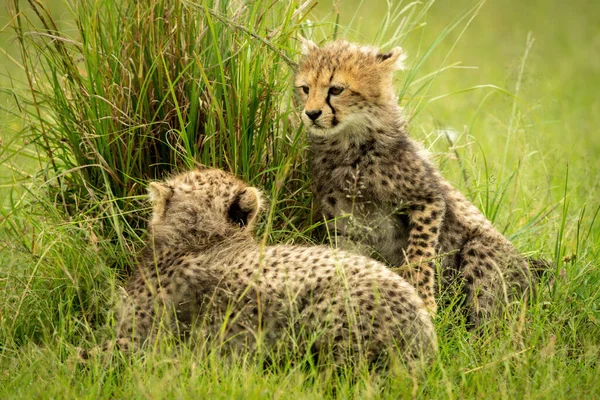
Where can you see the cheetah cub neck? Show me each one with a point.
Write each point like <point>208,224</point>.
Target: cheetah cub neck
<point>348,93</point>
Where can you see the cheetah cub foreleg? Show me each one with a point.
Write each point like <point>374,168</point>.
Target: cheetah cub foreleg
<point>425,219</point>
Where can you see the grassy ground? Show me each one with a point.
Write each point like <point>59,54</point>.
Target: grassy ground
<point>511,120</point>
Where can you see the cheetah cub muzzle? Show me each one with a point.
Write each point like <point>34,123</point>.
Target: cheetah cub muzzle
<point>203,272</point>
<point>382,196</point>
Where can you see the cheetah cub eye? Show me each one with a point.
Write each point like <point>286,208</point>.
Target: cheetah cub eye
<point>336,90</point>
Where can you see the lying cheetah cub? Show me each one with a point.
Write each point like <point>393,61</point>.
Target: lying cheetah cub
<point>203,270</point>
<point>387,198</point>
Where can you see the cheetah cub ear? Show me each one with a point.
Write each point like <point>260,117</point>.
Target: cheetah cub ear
<point>393,60</point>
<point>245,207</point>
<point>307,46</point>
<point>159,196</point>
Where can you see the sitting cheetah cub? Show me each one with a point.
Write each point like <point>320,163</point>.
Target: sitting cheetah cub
<point>202,270</point>
<point>380,193</point>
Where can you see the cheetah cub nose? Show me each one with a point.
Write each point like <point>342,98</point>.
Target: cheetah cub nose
<point>313,114</point>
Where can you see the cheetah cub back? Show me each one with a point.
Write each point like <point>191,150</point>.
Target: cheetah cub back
<point>381,194</point>
<point>203,272</point>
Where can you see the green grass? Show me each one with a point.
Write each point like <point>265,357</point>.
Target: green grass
<point>123,97</point>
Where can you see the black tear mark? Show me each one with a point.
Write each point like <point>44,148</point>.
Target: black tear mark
<point>334,121</point>
<point>328,101</point>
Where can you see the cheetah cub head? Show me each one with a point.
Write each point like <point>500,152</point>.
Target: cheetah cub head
<point>345,85</point>
<point>202,206</point>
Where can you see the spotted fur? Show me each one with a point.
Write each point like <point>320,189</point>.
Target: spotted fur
<point>379,191</point>
<point>202,271</point>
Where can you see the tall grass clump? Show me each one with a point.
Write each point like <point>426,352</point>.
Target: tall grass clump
<point>144,87</point>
